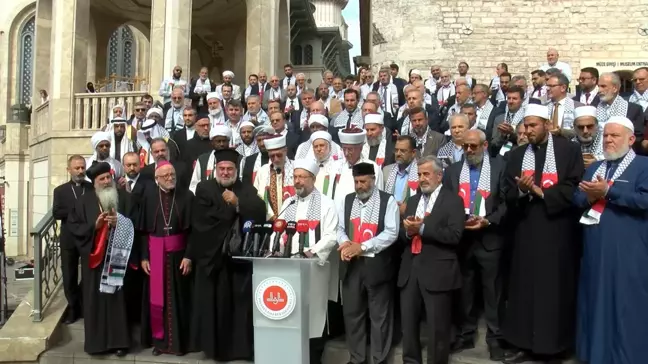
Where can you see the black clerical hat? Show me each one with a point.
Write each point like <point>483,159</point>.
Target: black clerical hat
<point>363,169</point>
<point>202,115</point>
<point>227,155</point>
<point>97,169</point>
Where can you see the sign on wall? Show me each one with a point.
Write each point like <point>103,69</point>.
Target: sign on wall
<point>613,64</point>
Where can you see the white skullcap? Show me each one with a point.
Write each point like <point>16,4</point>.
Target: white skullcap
<point>275,142</point>
<point>584,111</point>
<point>540,111</point>
<point>319,119</point>
<point>621,120</point>
<point>307,164</point>
<point>263,130</point>
<point>154,110</point>
<point>220,130</point>
<point>247,123</point>
<point>356,136</point>
<point>99,137</point>
<point>212,95</point>
<point>228,73</point>
<point>148,125</point>
<point>415,72</point>
<point>320,135</point>
<point>374,119</point>
<point>118,106</point>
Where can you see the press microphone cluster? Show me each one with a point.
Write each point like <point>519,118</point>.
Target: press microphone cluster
<point>302,230</point>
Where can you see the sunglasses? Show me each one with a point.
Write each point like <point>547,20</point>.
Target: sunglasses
<point>140,109</point>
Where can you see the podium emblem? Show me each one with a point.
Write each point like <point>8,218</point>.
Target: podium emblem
<point>275,298</point>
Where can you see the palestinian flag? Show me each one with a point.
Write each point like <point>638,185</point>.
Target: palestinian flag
<point>479,205</point>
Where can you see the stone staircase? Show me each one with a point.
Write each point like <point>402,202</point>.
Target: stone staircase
<point>68,349</point>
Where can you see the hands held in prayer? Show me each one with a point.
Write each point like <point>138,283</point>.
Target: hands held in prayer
<point>121,182</point>
<point>146,267</point>
<point>349,250</point>
<point>412,225</point>
<point>230,198</point>
<point>588,159</point>
<point>526,184</point>
<point>476,223</point>
<point>185,266</point>
<point>594,190</point>
<point>505,128</point>
<point>111,218</point>
<point>402,206</point>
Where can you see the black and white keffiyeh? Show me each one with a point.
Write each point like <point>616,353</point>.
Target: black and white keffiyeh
<point>314,214</point>
<point>247,150</point>
<point>412,178</point>
<point>370,219</point>
<point>549,170</point>
<point>342,118</point>
<point>619,107</point>
<point>120,244</point>
<point>421,140</point>
<point>380,154</point>
<point>514,118</point>
<point>640,99</point>
<point>484,115</point>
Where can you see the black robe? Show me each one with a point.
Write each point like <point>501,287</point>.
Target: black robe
<point>222,312</point>
<point>194,149</point>
<point>177,288</point>
<point>105,316</point>
<point>541,302</point>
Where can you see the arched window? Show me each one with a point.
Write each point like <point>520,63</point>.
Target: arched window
<point>26,61</point>
<point>121,53</point>
<point>308,54</point>
<point>297,55</point>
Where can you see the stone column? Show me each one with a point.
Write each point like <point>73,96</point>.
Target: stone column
<point>170,40</point>
<point>366,28</point>
<point>262,36</point>
<point>68,58</point>
<point>284,46</point>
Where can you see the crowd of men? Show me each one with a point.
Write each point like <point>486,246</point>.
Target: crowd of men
<point>427,202</point>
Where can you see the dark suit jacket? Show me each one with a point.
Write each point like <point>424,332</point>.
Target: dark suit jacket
<point>434,119</point>
<point>636,115</point>
<point>437,266</point>
<point>400,86</point>
<point>490,237</point>
<point>435,141</point>
<point>292,142</point>
<point>62,205</point>
<point>195,98</point>
<point>595,100</point>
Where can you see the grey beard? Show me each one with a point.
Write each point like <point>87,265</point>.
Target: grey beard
<point>611,156</point>
<point>226,182</point>
<point>584,140</point>
<point>108,197</point>
<point>215,112</point>
<point>374,141</point>
<point>78,179</point>
<point>474,160</point>
<point>427,189</point>
<point>363,195</point>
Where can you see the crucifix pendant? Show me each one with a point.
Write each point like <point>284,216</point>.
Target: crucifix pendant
<point>167,229</point>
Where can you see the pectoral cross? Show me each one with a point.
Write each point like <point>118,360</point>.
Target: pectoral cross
<point>167,229</point>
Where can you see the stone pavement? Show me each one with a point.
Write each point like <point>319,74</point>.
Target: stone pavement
<point>16,290</point>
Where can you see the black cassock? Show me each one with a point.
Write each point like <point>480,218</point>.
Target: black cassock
<point>540,309</point>
<point>155,207</point>
<point>222,311</point>
<point>105,315</point>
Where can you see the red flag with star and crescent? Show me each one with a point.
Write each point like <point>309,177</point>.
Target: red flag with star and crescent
<point>362,231</point>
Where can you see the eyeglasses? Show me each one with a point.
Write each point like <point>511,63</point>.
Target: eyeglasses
<point>471,146</point>
<point>585,127</point>
<point>177,98</point>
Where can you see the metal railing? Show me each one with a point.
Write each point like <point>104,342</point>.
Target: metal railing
<point>47,263</point>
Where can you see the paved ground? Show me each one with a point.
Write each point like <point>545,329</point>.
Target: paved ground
<point>16,290</point>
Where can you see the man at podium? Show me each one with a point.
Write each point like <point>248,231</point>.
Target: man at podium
<point>318,211</point>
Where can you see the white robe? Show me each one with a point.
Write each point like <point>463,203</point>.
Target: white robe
<point>347,185</point>
<point>325,248</point>
<point>197,174</point>
<point>260,181</point>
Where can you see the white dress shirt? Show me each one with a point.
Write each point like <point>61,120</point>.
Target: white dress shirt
<point>562,66</point>
<point>134,181</point>
<point>592,94</point>
<point>381,241</point>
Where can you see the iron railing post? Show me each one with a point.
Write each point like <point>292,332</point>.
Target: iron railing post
<point>38,279</point>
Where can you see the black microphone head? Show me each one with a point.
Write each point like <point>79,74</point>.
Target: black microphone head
<point>257,228</point>
<point>267,228</point>
<point>291,227</point>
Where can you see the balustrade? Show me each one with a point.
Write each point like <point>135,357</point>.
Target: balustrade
<point>92,110</point>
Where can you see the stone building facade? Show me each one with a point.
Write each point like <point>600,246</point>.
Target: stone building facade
<point>606,34</point>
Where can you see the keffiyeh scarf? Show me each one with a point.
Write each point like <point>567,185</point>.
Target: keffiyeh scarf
<point>619,107</point>
<point>314,217</point>
<point>593,215</point>
<point>484,115</point>
<point>118,250</point>
<point>549,171</point>
<point>640,99</point>
<point>423,209</point>
<point>365,229</point>
<point>483,188</point>
<point>247,150</point>
<point>412,179</point>
<point>342,118</point>
<point>288,184</point>
<point>380,154</point>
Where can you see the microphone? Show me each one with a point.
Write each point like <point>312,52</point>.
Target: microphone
<point>292,202</point>
<point>279,226</point>
<point>302,229</point>
<point>265,242</point>
<point>291,229</point>
<point>257,229</point>
<point>247,228</point>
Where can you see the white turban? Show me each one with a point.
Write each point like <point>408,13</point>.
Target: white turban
<point>319,119</point>
<point>374,119</point>
<point>99,137</point>
<point>154,110</point>
<point>584,111</point>
<point>212,95</point>
<point>621,120</point>
<point>320,135</point>
<point>220,130</point>
<point>307,164</point>
<point>228,73</point>
<point>540,111</point>
<point>247,123</point>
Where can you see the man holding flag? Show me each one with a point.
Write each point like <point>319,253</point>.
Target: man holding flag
<point>367,266</point>
<point>478,180</point>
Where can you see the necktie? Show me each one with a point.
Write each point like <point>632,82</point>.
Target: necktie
<point>348,124</point>
<point>587,95</point>
<point>261,89</point>
<point>384,98</point>
<point>273,190</point>
<point>305,127</point>
<point>554,115</point>
<point>129,186</point>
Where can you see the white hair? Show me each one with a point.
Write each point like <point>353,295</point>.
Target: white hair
<point>108,197</point>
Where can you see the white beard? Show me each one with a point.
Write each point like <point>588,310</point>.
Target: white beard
<point>226,182</point>
<point>108,197</point>
<point>215,112</point>
<point>612,156</point>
